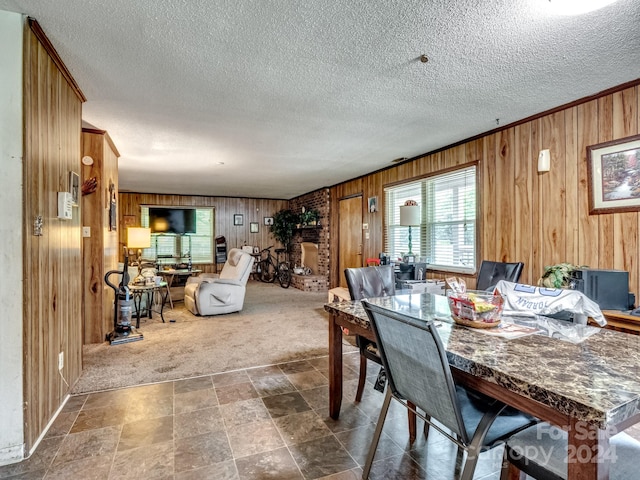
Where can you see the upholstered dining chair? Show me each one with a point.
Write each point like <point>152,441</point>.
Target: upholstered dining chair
<point>418,373</point>
<point>368,282</point>
<point>491,273</point>
<point>522,455</point>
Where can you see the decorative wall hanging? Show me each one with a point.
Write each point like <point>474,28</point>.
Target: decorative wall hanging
<point>614,176</point>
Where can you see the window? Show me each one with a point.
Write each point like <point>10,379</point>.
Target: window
<point>169,246</point>
<point>446,236</point>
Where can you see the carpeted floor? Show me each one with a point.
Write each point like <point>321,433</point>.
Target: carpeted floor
<point>276,325</point>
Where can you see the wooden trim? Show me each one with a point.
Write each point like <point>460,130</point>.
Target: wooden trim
<point>97,131</point>
<point>50,49</point>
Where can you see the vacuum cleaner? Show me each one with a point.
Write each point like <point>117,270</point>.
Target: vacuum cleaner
<point>123,330</point>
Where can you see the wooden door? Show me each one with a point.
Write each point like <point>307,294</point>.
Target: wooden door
<point>350,235</point>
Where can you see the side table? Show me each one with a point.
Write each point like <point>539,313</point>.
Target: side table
<point>170,275</point>
<point>148,291</point>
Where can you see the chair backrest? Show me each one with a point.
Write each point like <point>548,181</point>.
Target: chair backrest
<point>238,266</point>
<point>491,273</point>
<point>369,282</point>
<point>416,364</point>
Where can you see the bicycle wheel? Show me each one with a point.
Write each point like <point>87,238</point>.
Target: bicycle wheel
<point>284,275</point>
<point>268,273</point>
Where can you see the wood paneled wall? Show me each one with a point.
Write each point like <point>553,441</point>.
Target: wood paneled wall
<point>252,209</point>
<point>100,250</point>
<point>52,262</point>
<point>537,218</point>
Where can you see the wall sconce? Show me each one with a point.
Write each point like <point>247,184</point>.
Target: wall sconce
<point>544,161</point>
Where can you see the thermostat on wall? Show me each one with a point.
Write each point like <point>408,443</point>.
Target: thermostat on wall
<point>65,204</point>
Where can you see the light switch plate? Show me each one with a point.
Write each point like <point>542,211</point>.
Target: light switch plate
<point>86,232</point>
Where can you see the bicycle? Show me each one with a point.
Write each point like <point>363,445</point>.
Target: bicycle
<point>269,268</point>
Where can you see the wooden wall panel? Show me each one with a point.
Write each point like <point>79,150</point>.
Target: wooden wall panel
<point>252,209</point>
<point>52,262</point>
<point>538,218</point>
<point>100,250</point>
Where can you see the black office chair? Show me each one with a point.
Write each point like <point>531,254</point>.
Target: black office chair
<point>369,282</point>
<point>419,374</point>
<point>491,273</point>
<point>522,454</point>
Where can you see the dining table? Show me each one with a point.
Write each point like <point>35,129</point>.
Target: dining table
<point>582,378</point>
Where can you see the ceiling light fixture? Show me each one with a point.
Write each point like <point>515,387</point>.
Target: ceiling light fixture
<point>577,7</point>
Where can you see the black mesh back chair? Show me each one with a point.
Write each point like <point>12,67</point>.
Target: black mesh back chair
<point>522,454</point>
<point>369,282</point>
<point>491,273</point>
<point>418,373</point>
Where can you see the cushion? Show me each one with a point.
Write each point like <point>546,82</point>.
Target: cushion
<point>234,257</point>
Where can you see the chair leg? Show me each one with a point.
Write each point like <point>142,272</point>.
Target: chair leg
<point>509,471</point>
<point>376,435</point>
<point>362,378</point>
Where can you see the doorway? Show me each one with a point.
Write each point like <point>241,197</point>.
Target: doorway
<point>350,235</point>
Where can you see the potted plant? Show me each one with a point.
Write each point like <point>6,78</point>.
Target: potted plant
<point>284,223</point>
<point>309,216</point>
<point>558,275</point>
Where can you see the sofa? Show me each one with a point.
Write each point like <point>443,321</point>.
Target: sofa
<point>213,294</point>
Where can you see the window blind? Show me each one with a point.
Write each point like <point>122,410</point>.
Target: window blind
<point>446,236</point>
<point>199,244</point>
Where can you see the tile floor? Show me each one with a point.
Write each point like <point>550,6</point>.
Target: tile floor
<point>263,423</point>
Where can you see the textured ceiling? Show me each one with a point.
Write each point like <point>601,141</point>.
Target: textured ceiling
<point>296,95</point>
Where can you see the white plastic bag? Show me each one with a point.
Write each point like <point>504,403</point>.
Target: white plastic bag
<point>529,300</point>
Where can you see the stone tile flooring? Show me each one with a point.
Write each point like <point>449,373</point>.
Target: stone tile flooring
<point>262,423</point>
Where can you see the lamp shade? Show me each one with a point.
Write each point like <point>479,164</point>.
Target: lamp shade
<point>409,215</point>
<point>138,237</point>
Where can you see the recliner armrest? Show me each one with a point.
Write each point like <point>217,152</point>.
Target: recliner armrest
<point>227,281</point>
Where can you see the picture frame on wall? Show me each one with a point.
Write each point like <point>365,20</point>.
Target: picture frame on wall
<point>373,204</point>
<point>74,187</point>
<point>253,227</point>
<point>268,221</point>
<point>238,219</point>
<point>613,170</point>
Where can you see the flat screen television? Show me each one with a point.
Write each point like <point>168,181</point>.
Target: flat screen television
<point>172,220</point>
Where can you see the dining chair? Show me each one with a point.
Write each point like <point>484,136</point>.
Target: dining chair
<point>418,373</point>
<point>491,273</point>
<point>541,451</point>
<point>368,282</point>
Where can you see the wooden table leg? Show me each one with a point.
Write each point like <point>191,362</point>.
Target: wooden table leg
<point>412,419</point>
<point>588,452</point>
<point>335,368</point>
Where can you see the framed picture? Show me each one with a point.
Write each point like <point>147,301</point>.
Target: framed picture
<point>373,204</point>
<point>129,220</point>
<point>237,219</point>
<point>268,220</point>
<point>74,187</point>
<point>253,227</point>
<point>613,170</point>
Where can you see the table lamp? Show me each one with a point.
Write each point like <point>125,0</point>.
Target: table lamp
<point>138,238</point>
<point>410,216</point>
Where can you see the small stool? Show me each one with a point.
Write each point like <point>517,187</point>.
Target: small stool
<point>373,262</point>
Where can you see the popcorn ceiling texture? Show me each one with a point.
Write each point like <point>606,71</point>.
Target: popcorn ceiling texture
<point>295,95</point>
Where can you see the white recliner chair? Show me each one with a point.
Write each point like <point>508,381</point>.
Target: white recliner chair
<point>215,294</point>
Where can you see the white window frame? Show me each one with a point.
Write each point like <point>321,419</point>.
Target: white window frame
<point>456,189</point>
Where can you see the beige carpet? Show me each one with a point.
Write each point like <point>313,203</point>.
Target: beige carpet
<point>276,325</point>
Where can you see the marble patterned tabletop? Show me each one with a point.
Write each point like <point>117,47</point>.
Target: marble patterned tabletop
<point>596,380</point>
